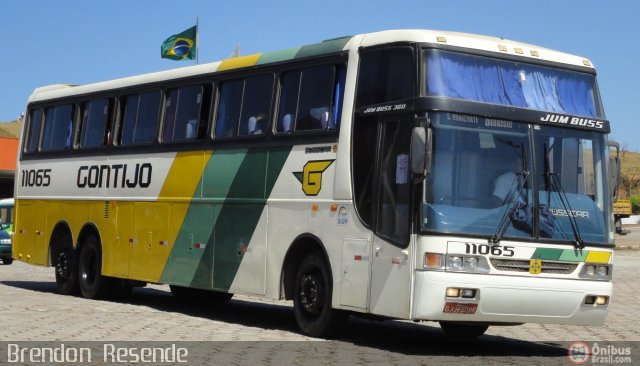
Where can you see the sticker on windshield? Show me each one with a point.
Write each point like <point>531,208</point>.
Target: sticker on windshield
<point>402,169</point>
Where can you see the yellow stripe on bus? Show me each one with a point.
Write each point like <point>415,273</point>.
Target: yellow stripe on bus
<point>155,239</point>
<point>238,62</point>
<point>598,257</point>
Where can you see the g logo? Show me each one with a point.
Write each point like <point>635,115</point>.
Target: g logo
<point>311,176</point>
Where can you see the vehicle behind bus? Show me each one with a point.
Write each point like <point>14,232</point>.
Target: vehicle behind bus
<point>6,229</point>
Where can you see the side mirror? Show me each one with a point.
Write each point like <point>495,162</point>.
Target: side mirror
<point>421,140</point>
<point>614,170</point>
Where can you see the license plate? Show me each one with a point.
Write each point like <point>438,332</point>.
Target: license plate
<point>459,308</point>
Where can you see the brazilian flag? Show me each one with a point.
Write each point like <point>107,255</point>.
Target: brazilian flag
<point>180,46</point>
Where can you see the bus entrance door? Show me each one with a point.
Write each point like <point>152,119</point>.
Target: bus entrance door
<point>391,265</point>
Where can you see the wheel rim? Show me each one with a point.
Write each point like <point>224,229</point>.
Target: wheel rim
<point>312,291</point>
<point>63,266</point>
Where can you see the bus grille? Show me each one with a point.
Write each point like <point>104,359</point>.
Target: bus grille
<point>518,265</point>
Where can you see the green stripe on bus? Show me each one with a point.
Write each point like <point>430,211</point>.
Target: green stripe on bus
<point>193,238</point>
<point>226,217</point>
<point>573,255</point>
<point>328,46</point>
<point>547,254</point>
<point>238,220</point>
<point>277,56</point>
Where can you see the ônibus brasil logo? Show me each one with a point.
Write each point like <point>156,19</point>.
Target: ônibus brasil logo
<point>578,353</point>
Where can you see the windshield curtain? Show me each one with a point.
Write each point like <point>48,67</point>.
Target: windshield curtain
<point>483,177</point>
<point>489,80</point>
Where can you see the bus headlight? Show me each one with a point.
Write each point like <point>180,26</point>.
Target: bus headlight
<point>456,262</point>
<point>592,271</point>
<point>5,241</point>
<point>471,262</point>
<point>466,263</point>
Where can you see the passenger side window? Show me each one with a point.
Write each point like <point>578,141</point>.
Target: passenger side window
<point>311,99</point>
<point>35,125</point>
<point>140,118</point>
<point>229,108</point>
<point>96,118</point>
<point>245,106</point>
<point>58,128</point>
<point>256,105</point>
<point>186,113</point>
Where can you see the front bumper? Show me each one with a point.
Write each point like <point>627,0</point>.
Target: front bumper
<point>510,299</point>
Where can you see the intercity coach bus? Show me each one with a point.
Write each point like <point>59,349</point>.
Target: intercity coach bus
<point>408,174</point>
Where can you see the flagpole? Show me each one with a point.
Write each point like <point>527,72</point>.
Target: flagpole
<point>197,51</point>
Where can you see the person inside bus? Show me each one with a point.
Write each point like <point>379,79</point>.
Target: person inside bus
<point>508,181</point>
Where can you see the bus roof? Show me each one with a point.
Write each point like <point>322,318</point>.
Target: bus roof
<point>465,40</point>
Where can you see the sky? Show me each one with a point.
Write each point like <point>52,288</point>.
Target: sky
<point>85,41</point>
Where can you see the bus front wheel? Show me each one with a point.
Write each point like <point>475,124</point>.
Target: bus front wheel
<point>463,330</point>
<point>312,298</point>
<point>93,285</point>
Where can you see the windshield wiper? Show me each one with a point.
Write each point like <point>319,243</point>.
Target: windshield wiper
<point>515,191</point>
<point>553,181</point>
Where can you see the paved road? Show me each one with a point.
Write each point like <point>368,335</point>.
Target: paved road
<point>30,310</point>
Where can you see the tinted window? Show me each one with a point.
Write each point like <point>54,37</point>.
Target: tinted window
<point>289,101</point>
<point>245,106</point>
<point>256,105</point>
<point>140,118</point>
<point>35,123</point>
<point>58,128</point>
<point>229,108</point>
<point>385,74</point>
<point>311,99</point>
<point>185,114</point>
<point>95,118</point>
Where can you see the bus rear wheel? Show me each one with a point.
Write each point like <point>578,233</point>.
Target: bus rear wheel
<point>463,330</point>
<point>312,299</point>
<point>93,285</point>
<point>66,269</point>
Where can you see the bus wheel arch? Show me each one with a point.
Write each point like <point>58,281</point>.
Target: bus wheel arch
<point>308,280</point>
<point>299,249</point>
<point>63,257</point>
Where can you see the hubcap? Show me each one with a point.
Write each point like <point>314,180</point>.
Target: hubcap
<point>311,290</point>
<point>63,267</point>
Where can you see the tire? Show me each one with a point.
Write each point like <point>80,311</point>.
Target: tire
<point>188,294</point>
<point>7,261</point>
<point>463,330</point>
<point>93,285</point>
<point>312,298</point>
<point>618,225</point>
<point>66,271</point>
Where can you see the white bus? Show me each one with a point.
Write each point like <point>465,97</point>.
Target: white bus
<point>407,174</point>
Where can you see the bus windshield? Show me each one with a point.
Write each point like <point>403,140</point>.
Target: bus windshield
<point>489,80</point>
<point>489,173</point>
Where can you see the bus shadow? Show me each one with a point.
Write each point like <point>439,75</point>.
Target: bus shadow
<point>398,337</point>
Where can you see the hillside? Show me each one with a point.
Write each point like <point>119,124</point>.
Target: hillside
<point>630,162</point>
<point>630,174</point>
<point>9,129</point>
